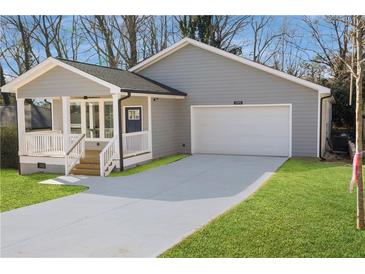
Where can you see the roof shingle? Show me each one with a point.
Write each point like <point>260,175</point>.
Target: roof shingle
<point>127,81</point>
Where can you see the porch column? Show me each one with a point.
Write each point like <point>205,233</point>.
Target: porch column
<point>66,120</point>
<point>21,124</point>
<point>116,122</point>
<point>91,119</point>
<point>101,119</point>
<point>83,117</point>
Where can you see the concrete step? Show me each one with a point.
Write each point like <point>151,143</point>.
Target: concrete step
<point>84,171</point>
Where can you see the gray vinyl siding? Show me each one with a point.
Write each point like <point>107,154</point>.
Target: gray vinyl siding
<point>61,82</point>
<point>210,79</point>
<point>165,127</point>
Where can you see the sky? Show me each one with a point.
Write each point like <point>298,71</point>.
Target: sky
<point>295,24</point>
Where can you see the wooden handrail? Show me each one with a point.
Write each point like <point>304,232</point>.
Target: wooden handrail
<point>76,143</point>
<point>111,141</point>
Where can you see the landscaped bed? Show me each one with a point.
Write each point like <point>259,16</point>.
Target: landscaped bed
<point>304,210</point>
<point>18,191</point>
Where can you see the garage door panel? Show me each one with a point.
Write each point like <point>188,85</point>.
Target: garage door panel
<point>256,130</point>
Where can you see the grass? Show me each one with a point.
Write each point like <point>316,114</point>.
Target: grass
<point>19,191</point>
<point>304,210</point>
<point>150,165</point>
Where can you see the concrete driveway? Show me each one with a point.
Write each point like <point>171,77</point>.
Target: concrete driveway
<point>134,216</point>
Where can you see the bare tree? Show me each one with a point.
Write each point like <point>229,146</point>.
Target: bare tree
<point>129,29</point>
<point>48,29</point>
<point>68,40</point>
<point>217,31</point>
<point>331,37</point>
<point>287,56</point>
<point>16,45</point>
<point>158,32</point>
<point>264,40</point>
<point>99,34</point>
<point>356,68</point>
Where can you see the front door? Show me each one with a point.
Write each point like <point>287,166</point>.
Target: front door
<point>133,119</point>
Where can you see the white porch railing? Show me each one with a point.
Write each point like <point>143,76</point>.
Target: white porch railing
<point>107,157</point>
<point>47,143</point>
<point>74,153</point>
<point>135,143</point>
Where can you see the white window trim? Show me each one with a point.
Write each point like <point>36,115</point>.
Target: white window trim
<point>192,120</point>
<point>124,116</point>
<point>100,101</point>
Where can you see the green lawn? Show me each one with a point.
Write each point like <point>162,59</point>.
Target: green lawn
<point>304,210</point>
<point>18,191</point>
<point>150,165</point>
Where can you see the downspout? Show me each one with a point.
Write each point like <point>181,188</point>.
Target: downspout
<point>320,125</point>
<point>121,162</point>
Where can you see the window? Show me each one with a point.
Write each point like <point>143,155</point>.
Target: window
<point>75,109</point>
<point>92,120</point>
<point>90,115</point>
<point>108,119</point>
<point>134,114</point>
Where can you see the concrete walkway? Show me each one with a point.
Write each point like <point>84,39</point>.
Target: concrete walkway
<point>134,216</point>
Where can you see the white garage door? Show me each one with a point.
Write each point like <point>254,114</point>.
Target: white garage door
<point>243,130</point>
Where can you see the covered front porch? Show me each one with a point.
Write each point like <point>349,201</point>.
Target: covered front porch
<point>96,110</point>
<point>85,134</point>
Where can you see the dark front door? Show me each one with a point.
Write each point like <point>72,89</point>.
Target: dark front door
<point>133,119</point>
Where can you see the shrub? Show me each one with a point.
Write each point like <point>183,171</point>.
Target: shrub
<point>9,147</point>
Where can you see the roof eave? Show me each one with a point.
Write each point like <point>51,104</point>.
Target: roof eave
<point>182,94</point>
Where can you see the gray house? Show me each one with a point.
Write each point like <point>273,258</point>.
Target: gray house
<point>189,98</point>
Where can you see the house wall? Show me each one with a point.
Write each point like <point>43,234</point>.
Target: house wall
<point>137,101</point>
<point>326,124</point>
<point>61,82</point>
<point>166,129</point>
<point>211,79</point>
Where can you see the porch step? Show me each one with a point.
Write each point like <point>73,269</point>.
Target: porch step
<point>84,171</point>
<point>88,166</point>
<point>90,160</point>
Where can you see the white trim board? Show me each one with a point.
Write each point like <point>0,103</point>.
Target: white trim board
<point>187,41</point>
<point>192,120</point>
<point>47,65</point>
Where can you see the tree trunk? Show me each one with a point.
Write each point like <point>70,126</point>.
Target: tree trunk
<point>359,137</point>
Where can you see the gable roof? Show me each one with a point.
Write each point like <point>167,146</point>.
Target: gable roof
<point>188,41</point>
<point>125,80</point>
<point>116,79</point>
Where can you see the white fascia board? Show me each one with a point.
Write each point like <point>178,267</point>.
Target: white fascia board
<point>162,54</point>
<point>28,76</point>
<point>154,95</point>
<point>187,41</point>
<point>45,66</point>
